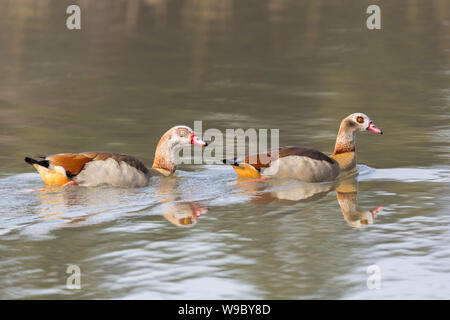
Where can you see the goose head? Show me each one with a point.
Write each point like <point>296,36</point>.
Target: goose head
<point>170,144</point>
<point>180,136</point>
<point>361,122</point>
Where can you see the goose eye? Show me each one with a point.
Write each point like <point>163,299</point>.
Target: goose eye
<point>185,221</point>
<point>360,119</point>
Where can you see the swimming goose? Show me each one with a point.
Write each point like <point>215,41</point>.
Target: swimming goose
<point>307,164</point>
<point>96,168</point>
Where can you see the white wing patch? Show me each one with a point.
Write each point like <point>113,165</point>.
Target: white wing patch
<point>302,168</point>
<point>111,172</point>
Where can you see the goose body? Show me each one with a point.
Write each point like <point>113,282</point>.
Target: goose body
<point>97,168</point>
<point>305,164</point>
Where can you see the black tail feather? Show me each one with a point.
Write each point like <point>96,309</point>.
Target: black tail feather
<point>43,163</point>
<point>232,162</point>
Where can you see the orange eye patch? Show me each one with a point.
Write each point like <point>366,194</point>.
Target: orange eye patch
<point>360,119</point>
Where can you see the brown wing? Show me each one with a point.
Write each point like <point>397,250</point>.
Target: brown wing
<point>130,160</point>
<point>73,163</point>
<point>261,161</point>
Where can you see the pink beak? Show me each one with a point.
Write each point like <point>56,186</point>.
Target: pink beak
<point>197,211</point>
<point>373,128</point>
<point>375,211</point>
<point>197,141</point>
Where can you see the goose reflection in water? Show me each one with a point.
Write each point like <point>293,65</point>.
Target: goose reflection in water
<point>184,214</point>
<point>76,206</point>
<point>179,212</point>
<point>288,192</point>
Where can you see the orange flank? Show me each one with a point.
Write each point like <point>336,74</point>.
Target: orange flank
<point>245,170</point>
<point>52,177</point>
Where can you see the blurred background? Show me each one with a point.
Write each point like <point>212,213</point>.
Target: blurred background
<point>139,67</point>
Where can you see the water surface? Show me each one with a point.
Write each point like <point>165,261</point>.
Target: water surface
<point>138,68</point>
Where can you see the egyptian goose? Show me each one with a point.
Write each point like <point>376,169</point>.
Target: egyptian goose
<point>96,168</point>
<point>307,164</point>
